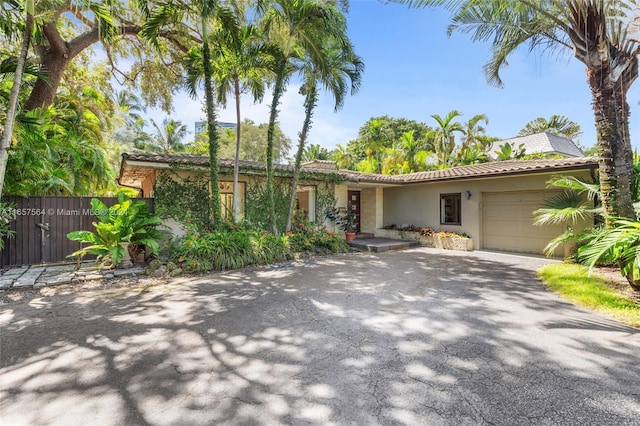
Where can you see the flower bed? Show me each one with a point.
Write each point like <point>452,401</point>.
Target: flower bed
<point>427,237</point>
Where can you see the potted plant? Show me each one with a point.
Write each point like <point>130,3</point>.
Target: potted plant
<point>344,219</point>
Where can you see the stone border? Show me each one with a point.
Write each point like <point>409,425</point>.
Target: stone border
<point>43,276</point>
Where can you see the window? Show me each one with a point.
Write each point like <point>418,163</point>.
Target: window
<point>226,199</point>
<point>305,207</point>
<point>450,209</point>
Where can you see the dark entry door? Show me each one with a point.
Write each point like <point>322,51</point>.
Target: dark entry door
<point>354,202</point>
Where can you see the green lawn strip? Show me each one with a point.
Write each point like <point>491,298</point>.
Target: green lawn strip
<point>574,283</point>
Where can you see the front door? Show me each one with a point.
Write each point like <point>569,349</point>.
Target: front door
<point>354,202</point>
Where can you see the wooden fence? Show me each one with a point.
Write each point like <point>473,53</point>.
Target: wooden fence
<point>42,225</point>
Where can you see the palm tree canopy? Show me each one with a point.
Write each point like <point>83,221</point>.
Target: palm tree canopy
<point>557,124</point>
<point>550,25</point>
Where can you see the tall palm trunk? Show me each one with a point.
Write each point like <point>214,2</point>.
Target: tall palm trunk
<point>236,163</point>
<point>310,102</point>
<point>13,99</point>
<point>214,167</point>
<point>278,90</point>
<point>615,164</point>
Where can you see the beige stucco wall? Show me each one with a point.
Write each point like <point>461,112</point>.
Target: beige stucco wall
<point>367,210</point>
<point>419,204</point>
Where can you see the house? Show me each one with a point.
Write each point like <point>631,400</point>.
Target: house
<point>492,202</point>
<point>540,143</point>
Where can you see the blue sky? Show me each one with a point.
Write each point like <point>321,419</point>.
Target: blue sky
<point>413,70</point>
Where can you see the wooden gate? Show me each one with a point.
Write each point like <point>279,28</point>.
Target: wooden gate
<point>42,225</point>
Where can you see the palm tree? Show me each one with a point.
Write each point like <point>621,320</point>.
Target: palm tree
<point>12,109</point>
<point>444,142</point>
<point>297,28</point>
<point>340,69</point>
<point>596,32</point>
<point>557,124</point>
<point>473,131</point>
<point>169,135</point>
<point>374,134</point>
<point>342,157</point>
<point>410,147</point>
<point>242,64</point>
<point>204,13</point>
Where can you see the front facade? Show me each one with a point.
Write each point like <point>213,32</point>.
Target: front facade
<point>493,202</point>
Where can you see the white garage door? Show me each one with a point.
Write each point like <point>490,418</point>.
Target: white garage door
<point>507,221</point>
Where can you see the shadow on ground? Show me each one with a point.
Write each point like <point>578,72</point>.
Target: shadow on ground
<point>413,337</point>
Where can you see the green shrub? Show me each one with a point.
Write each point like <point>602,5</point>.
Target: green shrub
<point>235,246</point>
<point>310,238</point>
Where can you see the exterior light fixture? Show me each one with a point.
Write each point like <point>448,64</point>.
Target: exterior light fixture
<point>467,194</point>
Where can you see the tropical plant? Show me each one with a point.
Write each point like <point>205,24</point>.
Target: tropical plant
<point>382,132</point>
<point>8,214</point>
<point>507,151</point>
<point>470,154</point>
<point>64,153</point>
<point>241,62</point>
<point>338,70</point>
<point>596,32</point>
<point>315,152</point>
<point>298,28</point>
<point>7,132</point>
<point>203,15</point>
<point>126,222</point>
<point>343,217</point>
<point>253,142</point>
<point>557,124</point>
<point>444,141</point>
<point>410,147</point>
<point>342,157</point>
<point>474,132</point>
<point>619,244</point>
<point>168,136</point>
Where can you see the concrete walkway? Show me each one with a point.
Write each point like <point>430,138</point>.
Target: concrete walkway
<point>415,337</point>
<point>42,276</point>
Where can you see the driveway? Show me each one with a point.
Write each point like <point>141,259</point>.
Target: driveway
<point>414,337</point>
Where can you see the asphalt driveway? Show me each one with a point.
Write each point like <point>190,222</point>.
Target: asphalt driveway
<point>414,337</point>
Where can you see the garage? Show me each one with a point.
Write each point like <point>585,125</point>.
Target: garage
<point>507,222</point>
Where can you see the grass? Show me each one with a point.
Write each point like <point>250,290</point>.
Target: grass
<point>594,291</point>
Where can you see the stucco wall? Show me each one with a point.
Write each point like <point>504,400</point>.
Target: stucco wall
<point>367,210</point>
<point>419,204</point>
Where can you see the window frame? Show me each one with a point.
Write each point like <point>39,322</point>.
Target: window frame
<point>457,197</point>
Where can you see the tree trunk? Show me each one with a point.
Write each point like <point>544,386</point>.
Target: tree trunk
<point>236,163</point>
<point>44,91</point>
<point>615,164</point>
<point>13,99</point>
<point>309,106</point>
<point>214,167</point>
<point>278,90</point>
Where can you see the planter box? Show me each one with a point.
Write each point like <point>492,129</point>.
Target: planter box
<point>448,243</point>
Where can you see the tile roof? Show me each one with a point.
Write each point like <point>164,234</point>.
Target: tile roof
<point>491,169</point>
<point>225,163</point>
<point>501,168</point>
<point>543,142</point>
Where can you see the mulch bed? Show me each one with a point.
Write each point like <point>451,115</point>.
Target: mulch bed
<point>615,281</point>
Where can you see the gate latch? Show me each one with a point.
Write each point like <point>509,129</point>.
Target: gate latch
<point>44,226</point>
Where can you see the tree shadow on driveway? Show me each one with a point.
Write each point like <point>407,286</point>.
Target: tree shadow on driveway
<point>408,337</point>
